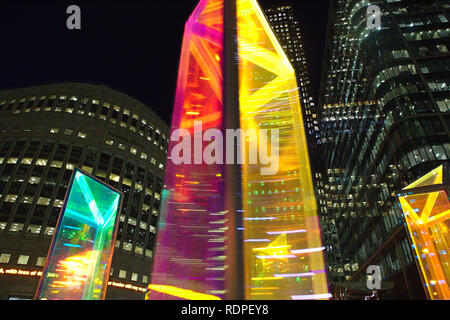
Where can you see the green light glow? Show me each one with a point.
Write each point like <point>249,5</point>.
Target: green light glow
<point>80,256</point>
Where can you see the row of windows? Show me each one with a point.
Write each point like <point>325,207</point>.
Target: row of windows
<point>92,108</point>
<point>134,276</point>
<point>24,260</point>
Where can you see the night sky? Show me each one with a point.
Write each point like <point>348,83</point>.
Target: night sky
<point>131,46</point>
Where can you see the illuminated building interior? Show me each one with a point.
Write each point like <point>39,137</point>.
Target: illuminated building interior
<point>80,255</point>
<point>427,216</point>
<point>283,253</point>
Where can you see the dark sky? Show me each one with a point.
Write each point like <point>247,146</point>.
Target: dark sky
<point>131,46</point>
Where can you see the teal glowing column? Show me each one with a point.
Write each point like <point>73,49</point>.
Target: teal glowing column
<point>79,259</point>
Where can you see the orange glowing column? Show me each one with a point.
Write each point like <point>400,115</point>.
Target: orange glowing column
<point>426,208</point>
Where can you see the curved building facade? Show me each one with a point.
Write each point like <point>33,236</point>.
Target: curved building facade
<point>46,132</point>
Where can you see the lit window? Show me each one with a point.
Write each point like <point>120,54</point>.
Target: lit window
<point>144,279</point>
<point>134,276</point>
<point>49,231</point>
<point>4,257</point>
<point>41,162</point>
<point>11,198</point>
<point>82,135</point>
<point>40,261</point>
<point>68,132</point>
<point>153,161</point>
<point>34,228</point>
<point>16,227</point>
<point>114,177</point>
<point>43,201</point>
<point>144,156</point>
<point>161,166</point>
<point>122,274</point>
<point>23,259</point>
<point>133,150</point>
<point>56,164</point>
<point>54,130</point>
<point>110,142</point>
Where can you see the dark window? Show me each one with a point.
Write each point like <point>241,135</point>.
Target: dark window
<point>47,190</point>
<point>52,175</point>
<point>150,180</point>
<point>46,150</point>
<point>66,177</point>
<point>38,215</point>
<point>6,210</point>
<point>61,193</point>
<point>75,155</point>
<point>30,189</point>
<point>130,233</point>
<point>18,147</point>
<point>61,152</point>
<point>14,187</point>
<point>129,170</point>
<point>91,157</point>
<point>38,171</point>
<point>104,161</point>
<point>93,108</point>
<point>117,166</point>
<point>7,170</point>
<point>22,212</point>
<point>22,170</point>
<point>32,149</point>
<point>54,215</point>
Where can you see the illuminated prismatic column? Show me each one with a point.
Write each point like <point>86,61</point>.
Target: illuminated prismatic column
<point>234,232</point>
<point>283,246</point>
<point>426,209</point>
<point>189,254</point>
<point>79,259</point>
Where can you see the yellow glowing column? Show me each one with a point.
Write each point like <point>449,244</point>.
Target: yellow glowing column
<point>283,249</point>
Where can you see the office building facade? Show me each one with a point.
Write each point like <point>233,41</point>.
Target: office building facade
<point>384,108</point>
<point>45,133</point>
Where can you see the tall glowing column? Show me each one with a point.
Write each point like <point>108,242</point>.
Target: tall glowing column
<point>230,231</point>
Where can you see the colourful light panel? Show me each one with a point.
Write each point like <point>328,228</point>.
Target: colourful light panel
<point>190,245</point>
<point>80,255</point>
<point>269,99</point>
<point>427,216</point>
<point>282,245</point>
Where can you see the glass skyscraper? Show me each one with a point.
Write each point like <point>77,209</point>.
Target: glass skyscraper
<point>384,108</point>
